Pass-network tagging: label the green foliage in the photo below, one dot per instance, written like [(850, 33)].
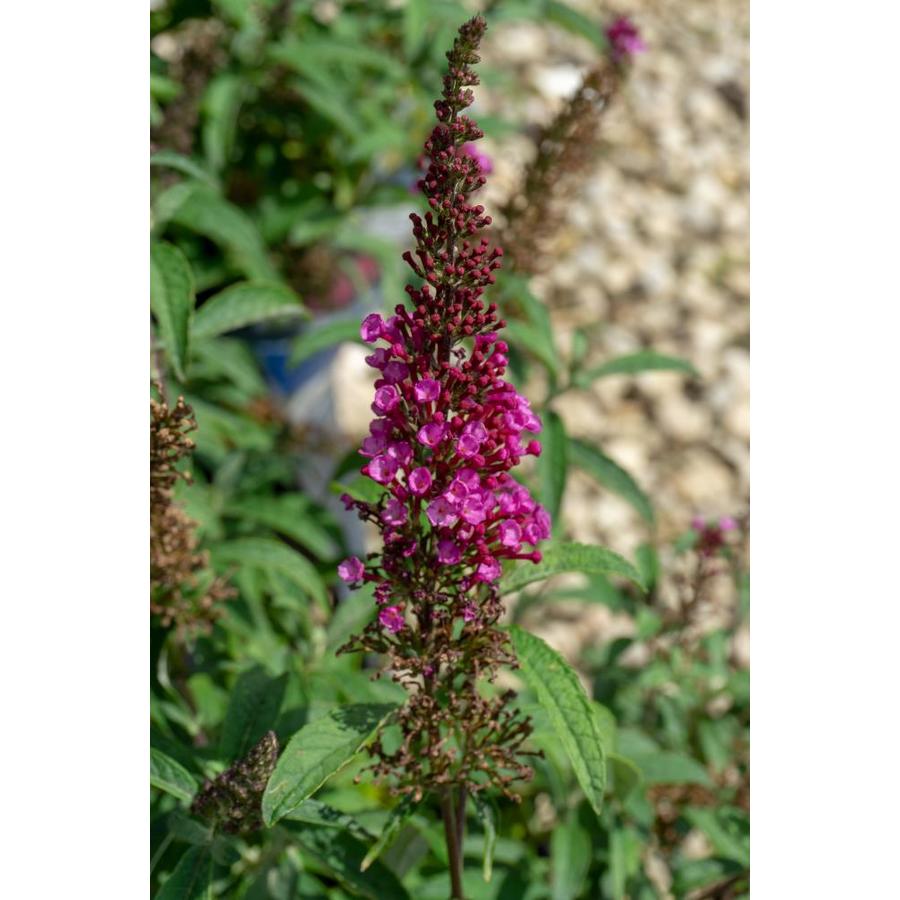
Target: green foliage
[(575, 720), (611, 475), (170, 776), (561, 556), (316, 752), (172, 301), (304, 133), (244, 304), (634, 364)]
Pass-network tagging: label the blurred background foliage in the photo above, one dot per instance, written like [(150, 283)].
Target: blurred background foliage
[(284, 146)]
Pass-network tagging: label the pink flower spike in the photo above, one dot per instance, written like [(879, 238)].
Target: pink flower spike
[(351, 570), (391, 618), (448, 553), (371, 328), (419, 481), (427, 390), (470, 612), (727, 523)]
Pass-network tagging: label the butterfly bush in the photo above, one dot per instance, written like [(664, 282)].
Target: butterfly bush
[(447, 430)]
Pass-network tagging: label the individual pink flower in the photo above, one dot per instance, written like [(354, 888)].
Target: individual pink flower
[(510, 534), (432, 434), (441, 513), (448, 552), (419, 481), (371, 328), (394, 512), (382, 469), (427, 390), (392, 619), (351, 570), (467, 446), (395, 372), (727, 523), (386, 398), (488, 570), (401, 451)]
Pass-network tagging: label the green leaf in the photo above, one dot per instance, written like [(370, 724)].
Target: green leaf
[(574, 718), (647, 563), (575, 22), (611, 475), (195, 206), (642, 361), (269, 553), (316, 752), (537, 342), (399, 814), (247, 303), (624, 859), (322, 337), (570, 853), (312, 812), (171, 776), (187, 166), (725, 844), (668, 767), (553, 464), (290, 515), (415, 21), (361, 488), (162, 88), (221, 104), (172, 301), (562, 556), (343, 856), (489, 824), (252, 711), (626, 776), (192, 878)]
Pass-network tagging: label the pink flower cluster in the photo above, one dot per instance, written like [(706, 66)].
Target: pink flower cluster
[(447, 427), (443, 440), (624, 39)]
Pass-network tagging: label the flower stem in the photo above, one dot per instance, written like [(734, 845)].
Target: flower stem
[(454, 845)]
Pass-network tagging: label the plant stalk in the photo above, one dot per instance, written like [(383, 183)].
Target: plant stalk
[(454, 845)]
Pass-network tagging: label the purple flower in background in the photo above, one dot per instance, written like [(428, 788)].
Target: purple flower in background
[(712, 533), (482, 160), (624, 39)]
